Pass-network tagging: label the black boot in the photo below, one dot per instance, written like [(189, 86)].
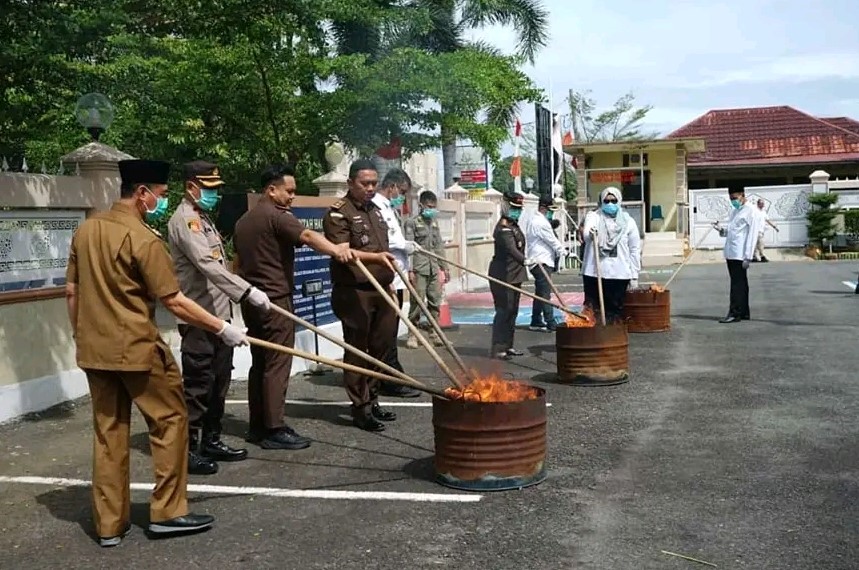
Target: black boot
[(197, 464), (397, 390), (363, 418), (216, 449), (381, 414)]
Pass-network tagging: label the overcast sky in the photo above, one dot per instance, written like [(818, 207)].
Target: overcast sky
[(687, 57)]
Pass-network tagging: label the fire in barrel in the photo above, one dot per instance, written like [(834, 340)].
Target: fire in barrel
[(590, 353), (491, 436), (647, 310)]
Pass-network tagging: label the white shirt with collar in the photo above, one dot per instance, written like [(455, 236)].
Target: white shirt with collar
[(396, 239), (541, 243), (744, 225)]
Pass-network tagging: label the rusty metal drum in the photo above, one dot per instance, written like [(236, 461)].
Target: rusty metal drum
[(490, 446), (593, 355), (647, 310)]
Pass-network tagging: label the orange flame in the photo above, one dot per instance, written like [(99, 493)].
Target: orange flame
[(573, 321), (493, 389), (657, 288)]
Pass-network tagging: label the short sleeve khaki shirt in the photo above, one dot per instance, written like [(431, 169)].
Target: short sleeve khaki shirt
[(120, 267)]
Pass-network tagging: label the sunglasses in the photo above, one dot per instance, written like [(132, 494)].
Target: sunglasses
[(610, 201)]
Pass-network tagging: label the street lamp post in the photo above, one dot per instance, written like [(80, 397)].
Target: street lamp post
[(529, 184), (94, 112)]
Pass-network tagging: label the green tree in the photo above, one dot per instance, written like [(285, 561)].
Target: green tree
[(821, 218), (620, 123)]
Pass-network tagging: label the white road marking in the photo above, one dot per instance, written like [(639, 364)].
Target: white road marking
[(347, 403), (850, 284), (269, 491)]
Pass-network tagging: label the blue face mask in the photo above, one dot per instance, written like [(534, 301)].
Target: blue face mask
[(549, 215), (610, 209), (209, 199), (514, 214), (736, 204), (429, 213), (398, 201), (160, 210)]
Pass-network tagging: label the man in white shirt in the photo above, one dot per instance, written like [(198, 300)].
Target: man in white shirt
[(542, 248), (741, 237), (390, 196), (765, 219)]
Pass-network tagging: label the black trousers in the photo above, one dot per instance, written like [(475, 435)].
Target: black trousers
[(506, 303), (739, 299), (393, 358), (207, 367), (542, 313), (614, 294)]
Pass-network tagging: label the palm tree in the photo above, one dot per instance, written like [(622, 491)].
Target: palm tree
[(442, 28)]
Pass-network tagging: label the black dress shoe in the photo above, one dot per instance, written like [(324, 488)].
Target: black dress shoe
[(398, 391), (368, 423), (216, 449), (181, 525), (199, 465), (514, 352), (730, 319), (109, 541), (382, 415), (746, 318), (502, 356), (284, 438)]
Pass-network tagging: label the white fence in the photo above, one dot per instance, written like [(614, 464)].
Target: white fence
[(785, 205)]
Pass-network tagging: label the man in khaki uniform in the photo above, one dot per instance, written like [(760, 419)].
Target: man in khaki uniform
[(118, 266), (207, 363), (426, 273)]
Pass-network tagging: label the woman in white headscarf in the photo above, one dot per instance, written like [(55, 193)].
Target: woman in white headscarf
[(619, 246)]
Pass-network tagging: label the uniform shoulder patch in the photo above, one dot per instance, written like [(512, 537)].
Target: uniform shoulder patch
[(336, 215), (194, 225), (338, 204)]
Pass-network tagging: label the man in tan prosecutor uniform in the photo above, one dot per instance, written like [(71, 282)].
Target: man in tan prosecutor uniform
[(118, 266), (207, 362)]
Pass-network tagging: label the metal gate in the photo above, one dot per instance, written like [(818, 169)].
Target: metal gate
[(785, 205)]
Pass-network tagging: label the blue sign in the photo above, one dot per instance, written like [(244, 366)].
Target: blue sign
[(312, 265)]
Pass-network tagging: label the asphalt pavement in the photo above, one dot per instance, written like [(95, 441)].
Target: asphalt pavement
[(737, 445)]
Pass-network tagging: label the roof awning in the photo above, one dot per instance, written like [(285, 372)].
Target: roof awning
[(689, 144)]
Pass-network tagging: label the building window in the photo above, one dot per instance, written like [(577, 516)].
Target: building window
[(634, 159)]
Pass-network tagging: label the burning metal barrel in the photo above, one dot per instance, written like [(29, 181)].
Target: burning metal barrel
[(647, 310), (589, 353), (491, 437)]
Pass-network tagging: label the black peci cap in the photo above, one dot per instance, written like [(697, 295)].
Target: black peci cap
[(144, 171)]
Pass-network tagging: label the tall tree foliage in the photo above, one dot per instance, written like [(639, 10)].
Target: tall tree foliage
[(623, 122)]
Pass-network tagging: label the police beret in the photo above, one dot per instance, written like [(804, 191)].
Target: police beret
[(204, 172), (514, 199), (144, 171)]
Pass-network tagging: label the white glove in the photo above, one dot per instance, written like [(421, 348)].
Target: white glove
[(633, 284), (233, 335), (530, 262), (411, 247), (259, 299), (746, 264)]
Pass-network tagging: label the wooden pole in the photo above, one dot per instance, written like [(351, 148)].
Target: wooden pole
[(599, 277), (688, 257), (499, 282), (415, 297), (405, 318), (344, 345), (555, 289), (344, 366)]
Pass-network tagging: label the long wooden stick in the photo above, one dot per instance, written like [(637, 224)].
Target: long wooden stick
[(343, 365), (599, 277), (414, 296), (499, 282), (555, 289), (405, 318), (688, 257), (344, 345)]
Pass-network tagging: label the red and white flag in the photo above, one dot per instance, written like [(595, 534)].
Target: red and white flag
[(516, 165)]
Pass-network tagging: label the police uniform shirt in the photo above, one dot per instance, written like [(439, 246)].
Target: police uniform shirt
[(199, 256), (427, 234), (120, 267), (265, 239), (360, 225), (508, 262)]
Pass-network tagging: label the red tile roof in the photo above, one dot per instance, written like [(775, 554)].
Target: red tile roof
[(770, 135)]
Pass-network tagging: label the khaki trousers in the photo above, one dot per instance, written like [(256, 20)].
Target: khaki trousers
[(159, 397), (759, 247), (429, 287)]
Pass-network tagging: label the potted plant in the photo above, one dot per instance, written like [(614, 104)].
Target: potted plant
[(821, 222)]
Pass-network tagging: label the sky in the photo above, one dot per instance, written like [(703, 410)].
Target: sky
[(686, 57)]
